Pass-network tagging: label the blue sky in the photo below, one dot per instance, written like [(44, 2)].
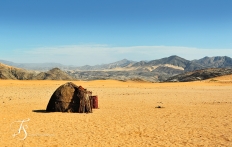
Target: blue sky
[(81, 32)]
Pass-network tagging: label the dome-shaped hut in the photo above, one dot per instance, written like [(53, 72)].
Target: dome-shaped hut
[(70, 98)]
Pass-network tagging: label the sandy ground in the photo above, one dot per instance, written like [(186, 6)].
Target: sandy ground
[(194, 114)]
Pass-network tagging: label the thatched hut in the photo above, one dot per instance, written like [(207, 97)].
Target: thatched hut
[(70, 98)]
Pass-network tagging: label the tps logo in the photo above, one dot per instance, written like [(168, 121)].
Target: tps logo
[(19, 127)]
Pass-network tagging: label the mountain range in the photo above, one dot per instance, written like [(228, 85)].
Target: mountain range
[(154, 71)]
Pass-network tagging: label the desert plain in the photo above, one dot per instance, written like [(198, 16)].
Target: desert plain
[(191, 114)]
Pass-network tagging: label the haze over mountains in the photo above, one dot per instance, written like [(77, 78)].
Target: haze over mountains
[(153, 71), (35, 66)]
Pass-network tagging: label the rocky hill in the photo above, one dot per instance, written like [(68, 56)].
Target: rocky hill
[(9, 72), (200, 75), (53, 74)]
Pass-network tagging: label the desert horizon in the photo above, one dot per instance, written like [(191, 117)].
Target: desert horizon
[(191, 114)]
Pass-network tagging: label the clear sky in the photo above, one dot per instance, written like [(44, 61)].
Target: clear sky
[(80, 32)]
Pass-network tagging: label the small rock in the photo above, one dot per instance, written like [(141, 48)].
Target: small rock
[(158, 107)]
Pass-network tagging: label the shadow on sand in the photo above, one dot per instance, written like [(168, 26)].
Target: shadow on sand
[(40, 111)]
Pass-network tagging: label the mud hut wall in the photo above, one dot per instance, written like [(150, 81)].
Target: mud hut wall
[(88, 107)]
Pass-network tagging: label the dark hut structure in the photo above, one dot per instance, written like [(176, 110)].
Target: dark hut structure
[(70, 98)]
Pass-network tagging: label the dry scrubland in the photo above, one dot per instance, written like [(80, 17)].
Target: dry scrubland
[(194, 114)]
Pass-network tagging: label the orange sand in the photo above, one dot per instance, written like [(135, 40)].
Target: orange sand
[(194, 114)]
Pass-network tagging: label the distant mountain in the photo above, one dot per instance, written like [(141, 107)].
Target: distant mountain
[(200, 75), (206, 62), (115, 65), (215, 62), (187, 65), (172, 60)]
